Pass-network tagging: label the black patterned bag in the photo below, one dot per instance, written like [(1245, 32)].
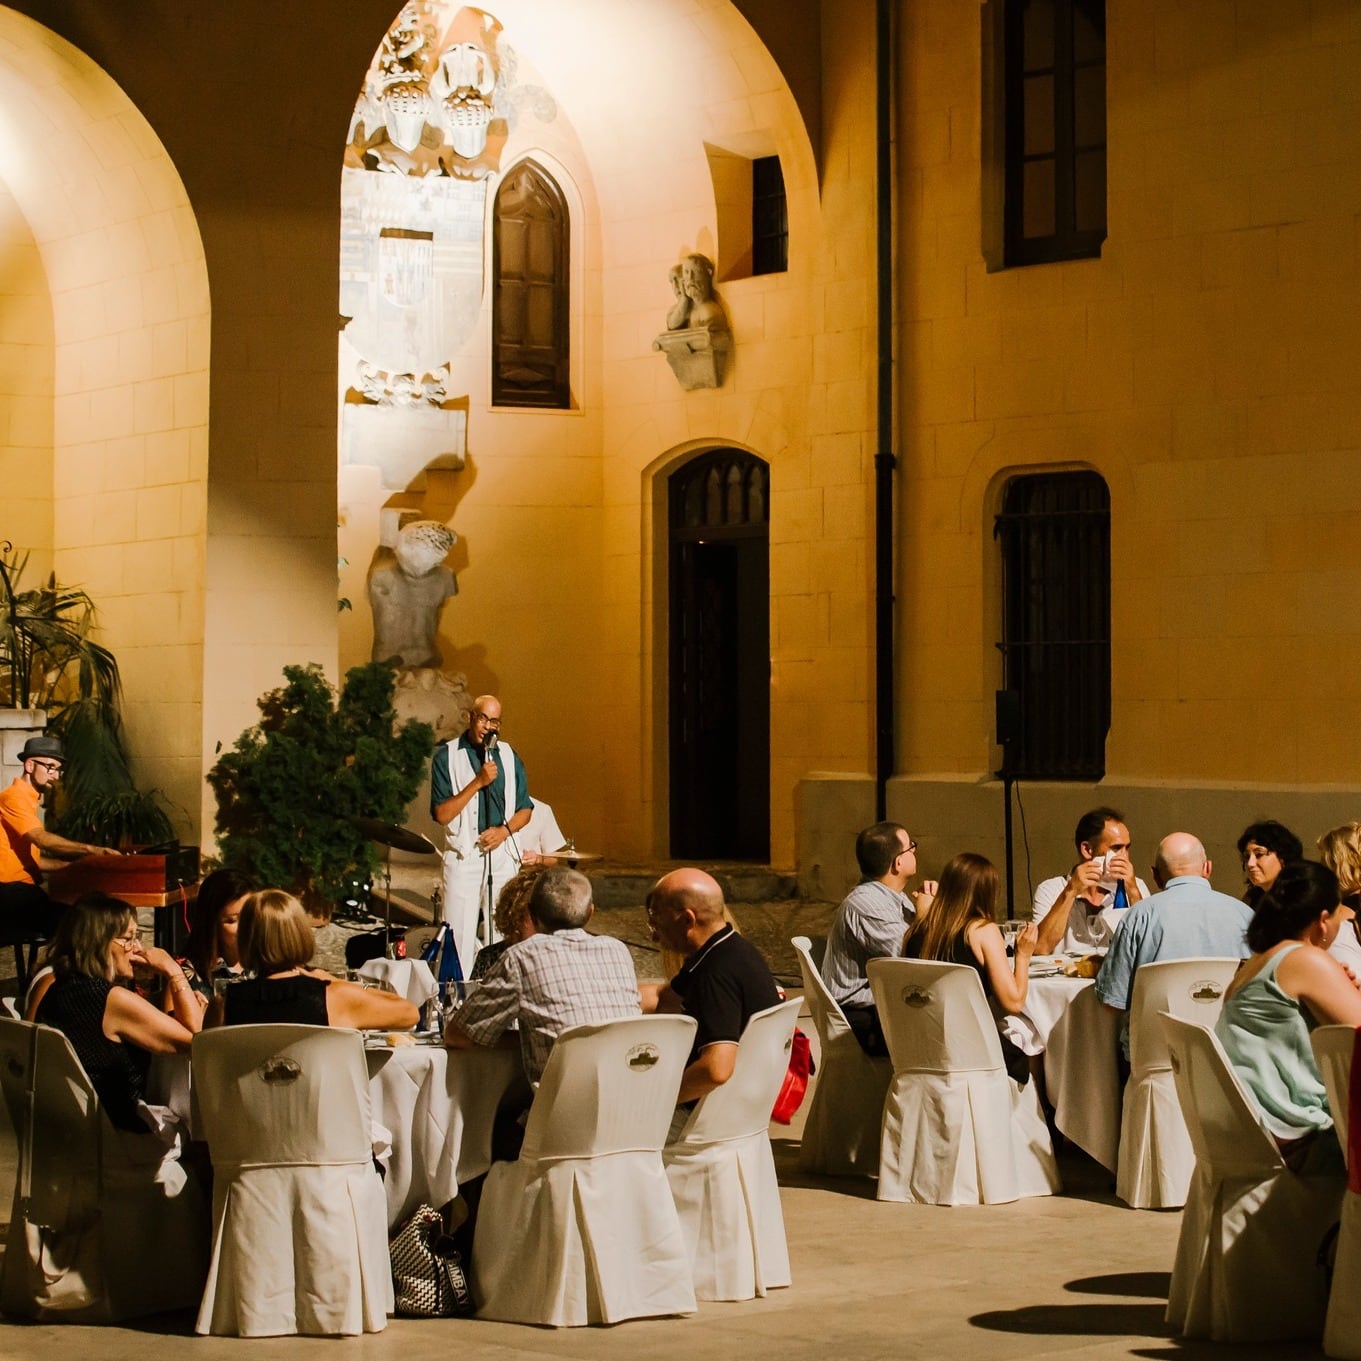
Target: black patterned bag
[(427, 1270)]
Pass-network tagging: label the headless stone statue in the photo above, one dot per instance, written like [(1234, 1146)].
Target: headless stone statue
[(408, 586)]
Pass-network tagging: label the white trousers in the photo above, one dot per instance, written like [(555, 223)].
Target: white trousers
[(466, 897)]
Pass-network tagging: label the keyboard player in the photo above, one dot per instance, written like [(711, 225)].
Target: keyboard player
[(27, 848)]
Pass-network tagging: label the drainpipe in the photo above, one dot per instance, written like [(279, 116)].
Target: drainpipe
[(884, 460)]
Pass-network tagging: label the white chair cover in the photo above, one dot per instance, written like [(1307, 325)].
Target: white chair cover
[(846, 1108), (957, 1129), (1156, 1159), (722, 1172), (299, 1217), (1333, 1045), (93, 1205), (582, 1228), (1246, 1266)]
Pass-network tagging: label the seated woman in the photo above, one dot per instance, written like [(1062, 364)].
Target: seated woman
[(91, 1001), (1288, 985), (958, 927), (213, 921), (1265, 849), (276, 943), (1341, 852), (512, 919)]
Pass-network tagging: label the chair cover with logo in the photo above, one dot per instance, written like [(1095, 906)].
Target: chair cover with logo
[(1247, 1258), (722, 1171), (957, 1129), (299, 1217), (1156, 1159), (582, 1227), (105, 1224), (841, 1129), (1339, 1060)]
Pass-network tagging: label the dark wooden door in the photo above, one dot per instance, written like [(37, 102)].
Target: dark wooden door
[(720, 658)]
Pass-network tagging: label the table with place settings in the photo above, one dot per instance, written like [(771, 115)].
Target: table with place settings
[(438, 1108), (1079, 1038)]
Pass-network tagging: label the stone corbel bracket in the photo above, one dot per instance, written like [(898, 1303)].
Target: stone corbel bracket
[(698, 356)]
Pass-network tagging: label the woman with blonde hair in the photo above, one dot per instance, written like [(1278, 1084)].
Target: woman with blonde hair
[(1341, 852), (276, 943), (958, 926), (511, 917)]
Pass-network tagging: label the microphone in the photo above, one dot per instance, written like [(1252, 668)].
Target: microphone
[(489, 747)]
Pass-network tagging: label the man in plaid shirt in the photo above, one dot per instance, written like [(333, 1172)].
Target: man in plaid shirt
[(557, 978)]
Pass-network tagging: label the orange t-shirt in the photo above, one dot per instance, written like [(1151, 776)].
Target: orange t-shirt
[(18, 817)]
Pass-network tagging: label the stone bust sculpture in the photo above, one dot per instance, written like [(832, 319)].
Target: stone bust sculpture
[(697, 283), (408, 586)]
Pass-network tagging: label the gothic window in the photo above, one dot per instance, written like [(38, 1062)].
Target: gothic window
[(530, 313)]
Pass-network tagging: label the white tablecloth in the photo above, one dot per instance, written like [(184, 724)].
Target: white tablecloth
[(439, 1108), (1078, 1036), (409, 978)]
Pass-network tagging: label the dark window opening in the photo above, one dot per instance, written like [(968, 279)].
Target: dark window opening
[(1055, 114), (531, 323), (1055, 535), (769, 217)]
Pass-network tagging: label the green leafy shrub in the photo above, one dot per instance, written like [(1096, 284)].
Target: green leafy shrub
[(289, 791)]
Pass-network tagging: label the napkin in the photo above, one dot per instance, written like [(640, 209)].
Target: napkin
[(409, 978)]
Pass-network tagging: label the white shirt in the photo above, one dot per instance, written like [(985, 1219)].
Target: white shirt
[(1346, 949), (1090, 925)]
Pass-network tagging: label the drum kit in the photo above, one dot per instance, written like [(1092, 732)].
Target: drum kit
[(395, 838)]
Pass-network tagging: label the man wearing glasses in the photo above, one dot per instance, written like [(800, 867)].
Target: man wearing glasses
[(479, 793), (23, 839), (870, 924)]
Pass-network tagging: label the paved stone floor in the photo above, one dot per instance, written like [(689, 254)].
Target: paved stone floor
[(1074, 1276)]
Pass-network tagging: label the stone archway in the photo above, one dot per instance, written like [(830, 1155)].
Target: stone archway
[(115, 451)]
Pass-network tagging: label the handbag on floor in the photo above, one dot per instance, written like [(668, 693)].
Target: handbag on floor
[(427, 1270)]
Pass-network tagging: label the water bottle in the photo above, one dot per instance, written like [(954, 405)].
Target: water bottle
[(431, 951), (450, 970)]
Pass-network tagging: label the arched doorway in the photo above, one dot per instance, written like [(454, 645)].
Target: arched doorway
[(719, 559)]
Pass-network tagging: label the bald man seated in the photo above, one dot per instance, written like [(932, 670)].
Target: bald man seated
[(722, 984), (1187, 919)]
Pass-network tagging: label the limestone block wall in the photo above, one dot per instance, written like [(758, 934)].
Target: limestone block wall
[(26, 362), (1205, 365), (124, 383)]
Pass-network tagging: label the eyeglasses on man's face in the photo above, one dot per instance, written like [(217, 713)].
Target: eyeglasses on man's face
[(52, 767)]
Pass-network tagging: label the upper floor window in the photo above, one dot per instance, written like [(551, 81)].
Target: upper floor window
[(531, 322), (769, 217), (1055, 113), (1055, 534)]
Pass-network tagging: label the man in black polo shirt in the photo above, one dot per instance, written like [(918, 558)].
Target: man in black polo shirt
[(722, 984)]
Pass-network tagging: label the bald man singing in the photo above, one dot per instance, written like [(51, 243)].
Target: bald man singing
[(722, 984), (1187, 919), (479, 794)]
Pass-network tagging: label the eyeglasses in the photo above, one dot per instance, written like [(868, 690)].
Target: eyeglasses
[(52, 767), (910, 848), (128, 942)]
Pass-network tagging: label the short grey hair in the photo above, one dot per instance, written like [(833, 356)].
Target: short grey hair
[(561, 900)]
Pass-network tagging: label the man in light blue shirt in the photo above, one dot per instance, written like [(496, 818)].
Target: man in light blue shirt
[(1186, 920)]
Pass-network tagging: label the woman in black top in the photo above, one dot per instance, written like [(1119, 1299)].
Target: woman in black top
[(114, 1031), (277, 942)]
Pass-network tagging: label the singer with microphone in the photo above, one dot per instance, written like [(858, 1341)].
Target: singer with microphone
[(479, 794)]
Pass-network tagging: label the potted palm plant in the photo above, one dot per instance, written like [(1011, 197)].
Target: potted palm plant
[(51, 664)]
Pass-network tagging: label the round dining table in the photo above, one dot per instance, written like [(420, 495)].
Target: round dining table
[(1079, 1038)]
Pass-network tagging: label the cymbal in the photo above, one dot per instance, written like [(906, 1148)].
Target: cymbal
[(389, 834), (571, 853)]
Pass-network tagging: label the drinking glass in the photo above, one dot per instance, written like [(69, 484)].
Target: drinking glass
[(1010, 930)]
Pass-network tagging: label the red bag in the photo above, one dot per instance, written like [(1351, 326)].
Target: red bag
[(795, 1086)]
